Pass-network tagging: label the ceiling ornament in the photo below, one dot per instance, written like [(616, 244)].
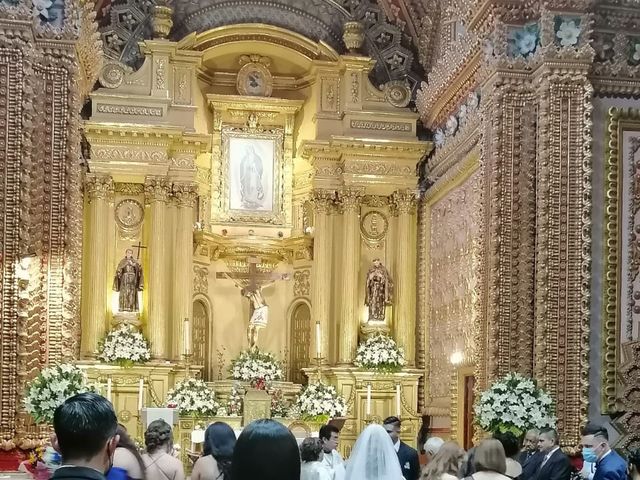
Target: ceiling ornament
[(124, 23)]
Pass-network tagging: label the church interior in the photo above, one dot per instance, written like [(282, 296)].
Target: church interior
[(299, 177)]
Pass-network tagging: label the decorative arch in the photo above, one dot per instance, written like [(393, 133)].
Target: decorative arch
[(202, 334), (299, 324)]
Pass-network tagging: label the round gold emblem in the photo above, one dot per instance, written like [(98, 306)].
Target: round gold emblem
[(254, 79)]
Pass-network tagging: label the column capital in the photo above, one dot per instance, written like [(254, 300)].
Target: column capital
[(323, 200), (98, 186), (185, 194), (350, 198), (156, 189), (403, 202)]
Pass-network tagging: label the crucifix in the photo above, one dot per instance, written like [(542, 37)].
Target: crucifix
[(251, 284), (139, 246)]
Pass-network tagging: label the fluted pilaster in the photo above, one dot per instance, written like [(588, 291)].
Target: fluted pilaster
[(184, 196), (321, 284), (156, 191), (349, 321), (404, 325), (99, 191)]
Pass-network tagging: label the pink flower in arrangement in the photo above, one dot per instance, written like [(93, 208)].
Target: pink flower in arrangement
[(259, 384), (172, 405)]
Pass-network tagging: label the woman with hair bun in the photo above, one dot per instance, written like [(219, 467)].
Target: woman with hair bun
[(159, 462)]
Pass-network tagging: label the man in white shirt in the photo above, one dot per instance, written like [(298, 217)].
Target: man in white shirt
[(331, 459)]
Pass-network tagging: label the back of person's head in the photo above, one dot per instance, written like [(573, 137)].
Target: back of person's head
[(448, 460), (158, 435), (310, 449), (634, 462), (326, 431), (509, 442), (596, 430), (219, 442), (489, 456), (85, 427), (432, 445), (266, 450)]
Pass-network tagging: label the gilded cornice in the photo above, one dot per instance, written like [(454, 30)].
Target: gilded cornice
[(233, 247)]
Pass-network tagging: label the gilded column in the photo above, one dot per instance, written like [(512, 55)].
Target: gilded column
[(156, 191), (321, 284), (404, 325), (99, 189), (349, 319), (184, 195)]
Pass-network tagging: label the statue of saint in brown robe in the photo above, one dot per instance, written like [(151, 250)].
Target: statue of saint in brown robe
[(378, 291), (128, 281)]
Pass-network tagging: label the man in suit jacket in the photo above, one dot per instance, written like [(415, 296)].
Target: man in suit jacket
[(596, 449), (85, 435), (407, 456), (555, 465), (530, 457)]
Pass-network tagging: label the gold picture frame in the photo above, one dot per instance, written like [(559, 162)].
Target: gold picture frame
[(619, 122), (252, 174)]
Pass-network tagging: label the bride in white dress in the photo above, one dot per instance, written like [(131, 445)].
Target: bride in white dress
[(373, 457)]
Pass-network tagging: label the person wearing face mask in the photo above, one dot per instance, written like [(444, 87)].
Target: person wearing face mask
[(159, 462), (596, 449), (85, 436)]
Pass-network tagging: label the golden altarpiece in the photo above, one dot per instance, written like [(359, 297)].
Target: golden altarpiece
[(250, 152)]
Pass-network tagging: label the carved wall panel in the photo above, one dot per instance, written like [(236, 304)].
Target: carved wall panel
[(40, 210), (454, 252), (202, 354), (563, 256), (622, 246), (509, 140)]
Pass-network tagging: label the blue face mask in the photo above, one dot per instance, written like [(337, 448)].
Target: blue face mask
[(589, 455)]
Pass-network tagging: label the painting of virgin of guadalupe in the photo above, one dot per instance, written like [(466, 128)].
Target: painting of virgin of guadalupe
[(251, 172)]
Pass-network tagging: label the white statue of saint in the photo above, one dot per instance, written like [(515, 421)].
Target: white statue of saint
[(251, 172)]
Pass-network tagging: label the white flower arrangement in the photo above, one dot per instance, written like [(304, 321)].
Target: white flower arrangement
[(124, 346), (380, 353), (514, 404), (319, 402), (51, 388), (193, 397), (258, 368), (279, 405), (235, 402)]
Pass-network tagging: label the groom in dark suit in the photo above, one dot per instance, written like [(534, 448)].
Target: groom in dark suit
[(596, 449), (407, 456), (555, 465)]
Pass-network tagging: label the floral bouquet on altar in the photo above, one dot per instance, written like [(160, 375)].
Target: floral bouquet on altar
[(193, 397), (514, 404), (124, 346), (256, 367), (234, 404), (279, 405), (319, 403), (52, 387), (380, 353)]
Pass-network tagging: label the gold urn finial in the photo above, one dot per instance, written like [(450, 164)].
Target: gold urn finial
[(162, 19), (353, 36)]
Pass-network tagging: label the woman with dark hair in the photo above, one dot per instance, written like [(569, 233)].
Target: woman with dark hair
[(633, 469), (127, 462), (511, 450), (266, 450), (159, 462), (215, 463)]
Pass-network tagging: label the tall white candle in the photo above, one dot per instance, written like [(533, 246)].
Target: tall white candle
[(368, 399), (140, 391), (398, 400), (109, 388), (187, 336), (318, 341)]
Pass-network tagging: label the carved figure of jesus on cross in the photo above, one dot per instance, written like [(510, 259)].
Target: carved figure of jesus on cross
[(251, 284)]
